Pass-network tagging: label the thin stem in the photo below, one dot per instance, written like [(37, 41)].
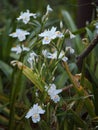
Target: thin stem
[(74, 82), (85, 53), (67, 87)]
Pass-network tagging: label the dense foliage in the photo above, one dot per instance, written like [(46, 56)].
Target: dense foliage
[(48, 70)]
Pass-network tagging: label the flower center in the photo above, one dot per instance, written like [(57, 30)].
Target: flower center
[(35, 116), (46, 38), (58, 32)]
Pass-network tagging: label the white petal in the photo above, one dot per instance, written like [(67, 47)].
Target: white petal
[(46, 40), (29, 114), (59, 34), (55, 98), (13, 34), (70, 49), (40, 110), (35, 118), (49, 9), (64, 58)]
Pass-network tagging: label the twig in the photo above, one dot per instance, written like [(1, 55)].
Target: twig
[(85, 53), (67, 87)]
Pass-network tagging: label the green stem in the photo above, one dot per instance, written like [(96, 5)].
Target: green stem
[(14, 92)]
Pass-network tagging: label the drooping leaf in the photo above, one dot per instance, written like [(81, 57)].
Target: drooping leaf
[(32, 76)]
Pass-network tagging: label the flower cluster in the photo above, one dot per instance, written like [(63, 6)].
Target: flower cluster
[(32, 58), (54, 53), (35, 112)]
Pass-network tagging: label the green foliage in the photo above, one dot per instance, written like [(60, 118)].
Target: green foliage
[(20, 84)]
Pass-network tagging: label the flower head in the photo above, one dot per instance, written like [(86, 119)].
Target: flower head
[(21, 34), (49, 55), (45, 17), (53, 93), (52, 55), (32, 58), (59, 34), (70, 34), (34, 113), (55, 55), (49, 35), (49, 9), (19, 49), (26, 16), (61, 56), (70, 49)]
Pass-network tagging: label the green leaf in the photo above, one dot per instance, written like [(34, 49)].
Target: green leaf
[(7, 70), (1, 85), (65, 125), (32, 76), (3, 120), (90, 34), (81, 92), (94, 82), (77, 120), (72, 27), (44, 125), (68, 20)]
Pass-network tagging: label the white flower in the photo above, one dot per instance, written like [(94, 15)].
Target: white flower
[(45, 52), (33, 55), (61, 56), (31, 59), (45, 17), (55, 55), (59, 34), (49, 35), (19, 49), (70, 33), (61, 24), (46, 40), (64, 58), (49, 9), (53, 93), (52, 55), (70, 49), (34, 113), (49, 55), (21, 34), (26, 16)]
